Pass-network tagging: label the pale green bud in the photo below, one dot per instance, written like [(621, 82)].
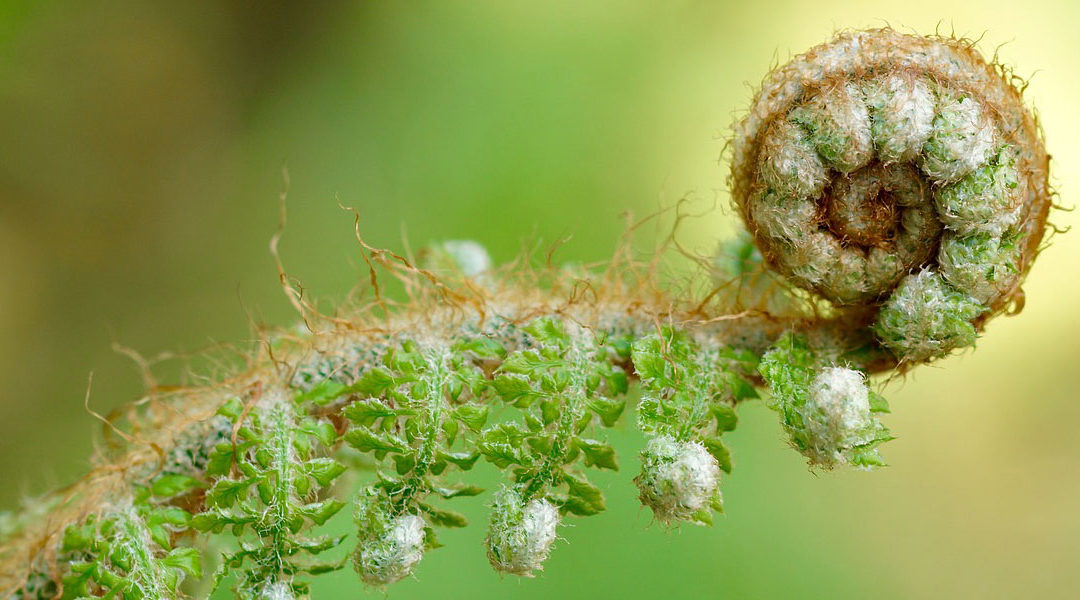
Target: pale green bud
[(678, 479), (468, 257), (389, 547), (521, 534), (837, 414), (278, 590)]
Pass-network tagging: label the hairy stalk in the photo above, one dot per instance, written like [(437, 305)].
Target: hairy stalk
[(895, 193)]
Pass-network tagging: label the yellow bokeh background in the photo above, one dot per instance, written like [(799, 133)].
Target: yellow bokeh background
[(141, 147)]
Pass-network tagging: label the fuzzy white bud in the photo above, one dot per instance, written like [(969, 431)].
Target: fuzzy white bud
[(678, 479), (468, 257), (837, 413), (521, 536), (391, 555), (843, 398), (278, 590)]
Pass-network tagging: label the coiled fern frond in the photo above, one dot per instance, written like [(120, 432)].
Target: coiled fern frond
[(895, 192)]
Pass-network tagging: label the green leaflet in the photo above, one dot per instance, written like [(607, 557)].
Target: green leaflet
[(270, 490), (564, 382), (423, 399), (690, 393), (127, 551), (688, 400), (826, 411)]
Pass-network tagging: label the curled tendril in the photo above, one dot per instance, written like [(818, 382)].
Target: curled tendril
[(900, 173)]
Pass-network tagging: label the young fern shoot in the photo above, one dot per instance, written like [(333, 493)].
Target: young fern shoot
[(895, 191)]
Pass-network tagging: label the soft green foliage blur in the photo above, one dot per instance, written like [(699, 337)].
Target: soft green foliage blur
[(141, 154)]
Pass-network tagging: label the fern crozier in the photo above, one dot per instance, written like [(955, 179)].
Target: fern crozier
[(895, 193)]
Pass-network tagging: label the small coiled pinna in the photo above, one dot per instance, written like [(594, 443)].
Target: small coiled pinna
[(897, 172)]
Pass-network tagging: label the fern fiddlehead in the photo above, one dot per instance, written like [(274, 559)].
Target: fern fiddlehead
[(896, 182), (900, 171)]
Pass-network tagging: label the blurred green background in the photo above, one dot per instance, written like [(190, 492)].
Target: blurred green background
[(141, 146)]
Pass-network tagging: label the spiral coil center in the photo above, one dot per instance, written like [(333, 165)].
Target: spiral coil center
[(872, 208), (855, 184)]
